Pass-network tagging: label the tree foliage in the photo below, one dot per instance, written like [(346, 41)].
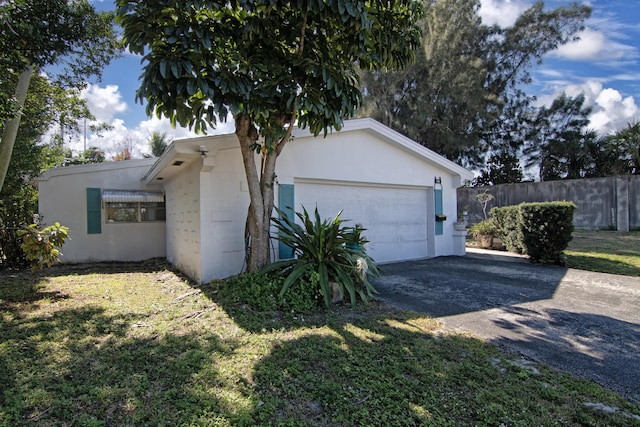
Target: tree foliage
[(158, 142), (502, 168), (455, 99), (271, 64), (45, 103), (557, 143), (623, 150), (42, 246), (39, 34), (67, 33), (562, 146)]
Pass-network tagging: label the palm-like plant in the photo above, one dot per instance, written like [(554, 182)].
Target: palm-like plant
[(328, 248)]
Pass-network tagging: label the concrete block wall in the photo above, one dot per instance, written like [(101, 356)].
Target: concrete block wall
[(602, 203)]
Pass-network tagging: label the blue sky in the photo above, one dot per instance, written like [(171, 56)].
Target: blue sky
[(604, 65)]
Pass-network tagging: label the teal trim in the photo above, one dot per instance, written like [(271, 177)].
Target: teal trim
[(439, 210), (286, 206), (94, 211)]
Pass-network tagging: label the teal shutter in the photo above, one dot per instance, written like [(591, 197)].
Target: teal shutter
[(94, 211), (286, 205), (438, 203)]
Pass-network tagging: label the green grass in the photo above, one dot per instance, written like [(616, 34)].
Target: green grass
[(135, 344), (605, 251)]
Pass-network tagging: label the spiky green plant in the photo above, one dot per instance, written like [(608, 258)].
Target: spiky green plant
[(334, 251)]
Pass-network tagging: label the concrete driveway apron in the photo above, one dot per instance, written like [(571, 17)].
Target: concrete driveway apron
[(580, 322)]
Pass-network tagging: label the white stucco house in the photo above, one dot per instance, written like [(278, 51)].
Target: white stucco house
[(190, 204)]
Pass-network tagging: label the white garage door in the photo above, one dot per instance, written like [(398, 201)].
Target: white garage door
[(395, 217)]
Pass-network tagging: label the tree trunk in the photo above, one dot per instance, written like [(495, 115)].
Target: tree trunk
[(261, 196), (11, 126), (261, 187)]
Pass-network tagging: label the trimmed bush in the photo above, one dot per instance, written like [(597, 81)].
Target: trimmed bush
[(540, 230), (546, 229), (508, 224)]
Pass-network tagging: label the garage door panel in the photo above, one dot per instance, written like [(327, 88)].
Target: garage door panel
[(395, 218), (388, 252)]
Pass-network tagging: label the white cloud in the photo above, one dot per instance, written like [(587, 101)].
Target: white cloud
[(611, 111), (104, 102), (594, 45), (502, 12)]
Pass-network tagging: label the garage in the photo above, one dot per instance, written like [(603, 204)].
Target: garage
[(395, 216)]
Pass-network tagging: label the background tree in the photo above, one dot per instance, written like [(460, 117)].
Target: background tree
[(502, 168), (36, 34), (624, 150), (125, 150), (559, 138), (158, 143), (93, 155), (456, 98), (88, 156), (18, 197), (271, 64)]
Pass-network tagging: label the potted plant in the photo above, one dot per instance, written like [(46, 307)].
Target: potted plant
[(484, 232), (461, 224)]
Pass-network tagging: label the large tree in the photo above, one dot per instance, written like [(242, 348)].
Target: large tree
[(559, 139), (36, 34), (623, 148), (44, 105), (271, 64), (468, 81)]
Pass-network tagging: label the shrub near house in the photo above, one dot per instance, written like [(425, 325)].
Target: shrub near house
[(329, 251), (540, 230)]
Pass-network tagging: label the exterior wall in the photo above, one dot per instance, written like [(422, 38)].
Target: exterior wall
[(602, 203), (355, 157), (225, 201), (634, 202), (207, 196), (183, 222), (63, 199)]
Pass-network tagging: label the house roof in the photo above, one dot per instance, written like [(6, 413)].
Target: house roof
[(185, 151), (95, 167)]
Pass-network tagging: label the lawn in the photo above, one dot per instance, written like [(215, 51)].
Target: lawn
[(605, 251), (136, 344)]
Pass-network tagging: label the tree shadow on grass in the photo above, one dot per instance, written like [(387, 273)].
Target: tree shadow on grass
[(86, 367), (399, 370), (338, 367)]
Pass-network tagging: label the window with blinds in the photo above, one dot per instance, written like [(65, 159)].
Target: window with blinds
[(133, 206)]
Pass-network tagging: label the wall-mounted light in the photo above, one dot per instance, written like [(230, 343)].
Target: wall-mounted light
[(437, 180), (203, 151)]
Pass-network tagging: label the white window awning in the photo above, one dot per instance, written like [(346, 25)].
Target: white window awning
[(123, 196)]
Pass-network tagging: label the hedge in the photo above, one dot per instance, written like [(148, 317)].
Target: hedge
[(540, 230), (507, 221)]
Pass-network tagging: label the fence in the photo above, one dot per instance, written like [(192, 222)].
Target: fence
[(602, 203)]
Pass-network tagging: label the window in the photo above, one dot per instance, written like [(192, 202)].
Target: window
[(133, 206)]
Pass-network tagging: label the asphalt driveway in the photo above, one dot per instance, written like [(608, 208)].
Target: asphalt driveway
[(576, 321)]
